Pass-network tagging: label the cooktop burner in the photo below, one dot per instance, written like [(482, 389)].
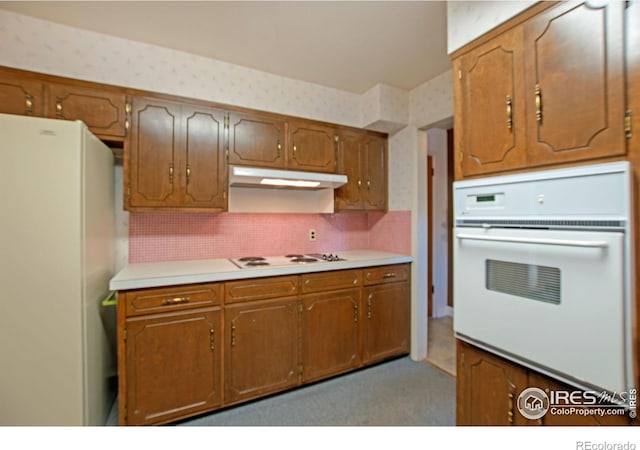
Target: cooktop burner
[(256, 262), (303, 259)]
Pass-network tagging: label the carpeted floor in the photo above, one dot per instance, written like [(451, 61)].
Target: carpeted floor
[(400, 392)]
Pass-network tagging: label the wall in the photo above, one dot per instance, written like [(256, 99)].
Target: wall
[(471, 19)]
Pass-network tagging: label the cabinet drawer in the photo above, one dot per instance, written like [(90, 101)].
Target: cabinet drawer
[(329, 281), (261, 289), (386, 274), (147, 301)]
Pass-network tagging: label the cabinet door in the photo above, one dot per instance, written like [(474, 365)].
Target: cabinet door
[(20, 95), (173, 365), (490, 109), (102, 110), (575, 85), (258, 141), (205, 171), (376, 169), (350, 163), (386, 328), (261, 354), (330, 341), (312, 147), (152, 162), (487, 388)]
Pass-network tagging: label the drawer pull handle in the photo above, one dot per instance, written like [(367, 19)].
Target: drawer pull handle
[(212, 338), (59, 108), (355, 312), (176, 300), (389, 275), (509, 113)]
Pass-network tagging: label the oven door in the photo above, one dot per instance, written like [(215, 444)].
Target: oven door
[(551, 300)]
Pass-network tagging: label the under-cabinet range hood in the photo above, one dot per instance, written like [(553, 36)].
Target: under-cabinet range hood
[(256, 177), (259, 190)]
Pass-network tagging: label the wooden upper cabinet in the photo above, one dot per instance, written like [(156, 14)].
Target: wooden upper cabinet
[(175, 156), (102, 109), (350, 163), (152, 171), (311, 147), (574, 83), (256, 140), (362, 157), (490, 108), (205, 170), (20, 95), (375, 148)]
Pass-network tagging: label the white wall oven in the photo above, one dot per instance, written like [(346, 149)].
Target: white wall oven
[(543, 271)]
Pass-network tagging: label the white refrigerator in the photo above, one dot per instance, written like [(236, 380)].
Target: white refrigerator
[(56, 240)]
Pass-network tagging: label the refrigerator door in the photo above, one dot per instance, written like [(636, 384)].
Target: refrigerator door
[(50, 273)]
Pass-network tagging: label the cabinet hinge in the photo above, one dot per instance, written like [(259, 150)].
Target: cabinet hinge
[(337, 138), (124, 334), (433, 289), (129, 192), (300, 307), (459, 74), (226, 122), (126, 413), (433, 172), (226, 154), (627, 124), (300, 368)]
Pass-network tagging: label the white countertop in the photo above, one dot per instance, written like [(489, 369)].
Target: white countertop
[(146, 275)]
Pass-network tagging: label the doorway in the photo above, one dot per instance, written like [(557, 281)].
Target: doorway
[(440, 174)]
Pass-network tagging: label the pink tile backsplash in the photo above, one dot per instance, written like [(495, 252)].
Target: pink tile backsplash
[(175, 236)]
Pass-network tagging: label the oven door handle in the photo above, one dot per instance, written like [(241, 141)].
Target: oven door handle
[(562, 242)]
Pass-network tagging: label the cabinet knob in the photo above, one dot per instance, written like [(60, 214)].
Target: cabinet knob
[(29, 103)]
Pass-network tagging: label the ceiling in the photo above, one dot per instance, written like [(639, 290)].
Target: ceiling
[(341, 44)]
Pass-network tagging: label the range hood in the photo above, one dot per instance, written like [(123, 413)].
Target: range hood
[(256, 177)]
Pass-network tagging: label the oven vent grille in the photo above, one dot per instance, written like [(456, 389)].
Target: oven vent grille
[(524, 280), (526, 223)]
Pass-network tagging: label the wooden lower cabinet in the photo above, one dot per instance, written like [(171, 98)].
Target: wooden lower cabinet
[(186, 350), (330, 341), (261, 352), (488, 387), (386, 312), (173, 363)]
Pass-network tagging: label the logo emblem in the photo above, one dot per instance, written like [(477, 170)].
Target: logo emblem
[(533, 403)]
